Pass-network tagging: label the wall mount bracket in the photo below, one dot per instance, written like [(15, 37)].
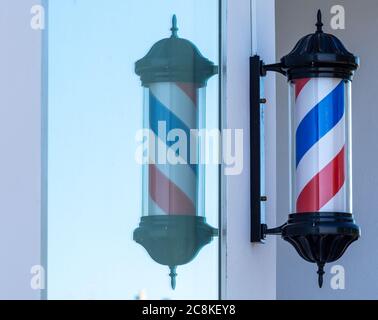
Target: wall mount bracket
[(258, 69)]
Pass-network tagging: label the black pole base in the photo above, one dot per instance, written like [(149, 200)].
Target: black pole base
[(173, 240), (320, 237)]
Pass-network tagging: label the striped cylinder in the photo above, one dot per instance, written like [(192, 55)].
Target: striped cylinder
[(172, 187), (320, 150)]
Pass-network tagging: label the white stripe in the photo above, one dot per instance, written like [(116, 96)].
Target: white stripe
[(182, 175), (312, 93), (320, 155), (177, 101), (337, 203), (154, 209)]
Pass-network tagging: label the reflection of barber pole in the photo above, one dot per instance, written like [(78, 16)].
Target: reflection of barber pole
[(173, 227), (320, 132), (172, 187)]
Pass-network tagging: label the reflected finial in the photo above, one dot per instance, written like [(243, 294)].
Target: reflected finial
[(173, 275), (174, 28), (319, 23)]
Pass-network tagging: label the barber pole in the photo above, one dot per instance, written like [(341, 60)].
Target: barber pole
[(319, 71)]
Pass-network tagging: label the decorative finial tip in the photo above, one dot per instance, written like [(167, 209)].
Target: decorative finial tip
[(173, 275), (174, 28), (320, 274), (319, 23), (320, 281)]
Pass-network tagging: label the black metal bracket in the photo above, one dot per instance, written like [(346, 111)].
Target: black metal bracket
[(258, 70), (255, 148), (274, 231), (276, 67)]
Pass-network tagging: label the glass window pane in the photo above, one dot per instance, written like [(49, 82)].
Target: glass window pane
[(97, 192)]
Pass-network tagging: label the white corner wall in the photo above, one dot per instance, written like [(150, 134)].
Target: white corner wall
[(250, 269)]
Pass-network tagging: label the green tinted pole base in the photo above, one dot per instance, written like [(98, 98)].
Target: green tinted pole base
[(173, 240)]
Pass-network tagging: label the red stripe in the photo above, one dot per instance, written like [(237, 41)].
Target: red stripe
[(299, 84), (167, 195), (190, 90), (324, 186)]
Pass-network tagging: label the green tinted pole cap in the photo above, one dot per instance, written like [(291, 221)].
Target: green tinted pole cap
[(175, 59)]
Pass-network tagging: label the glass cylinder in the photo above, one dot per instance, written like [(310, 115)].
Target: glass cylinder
[(173, 181), (320, 128)]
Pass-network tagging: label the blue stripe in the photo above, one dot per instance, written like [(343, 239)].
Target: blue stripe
[(159, 112), (319, 121)]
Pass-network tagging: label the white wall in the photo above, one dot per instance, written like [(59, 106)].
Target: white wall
[(250, 268)]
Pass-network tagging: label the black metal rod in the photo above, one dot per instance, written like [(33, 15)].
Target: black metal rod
[(255, 149), (273, 231), (275, 67)]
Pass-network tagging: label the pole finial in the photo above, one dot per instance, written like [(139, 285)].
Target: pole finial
[(320, 274), (173, 275), (319, 23), (174, 28)]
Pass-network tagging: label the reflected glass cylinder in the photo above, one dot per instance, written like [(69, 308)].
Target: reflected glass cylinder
[(173, 181)]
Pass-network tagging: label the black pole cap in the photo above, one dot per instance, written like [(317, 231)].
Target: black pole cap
[(175, 60), (320, 54)]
